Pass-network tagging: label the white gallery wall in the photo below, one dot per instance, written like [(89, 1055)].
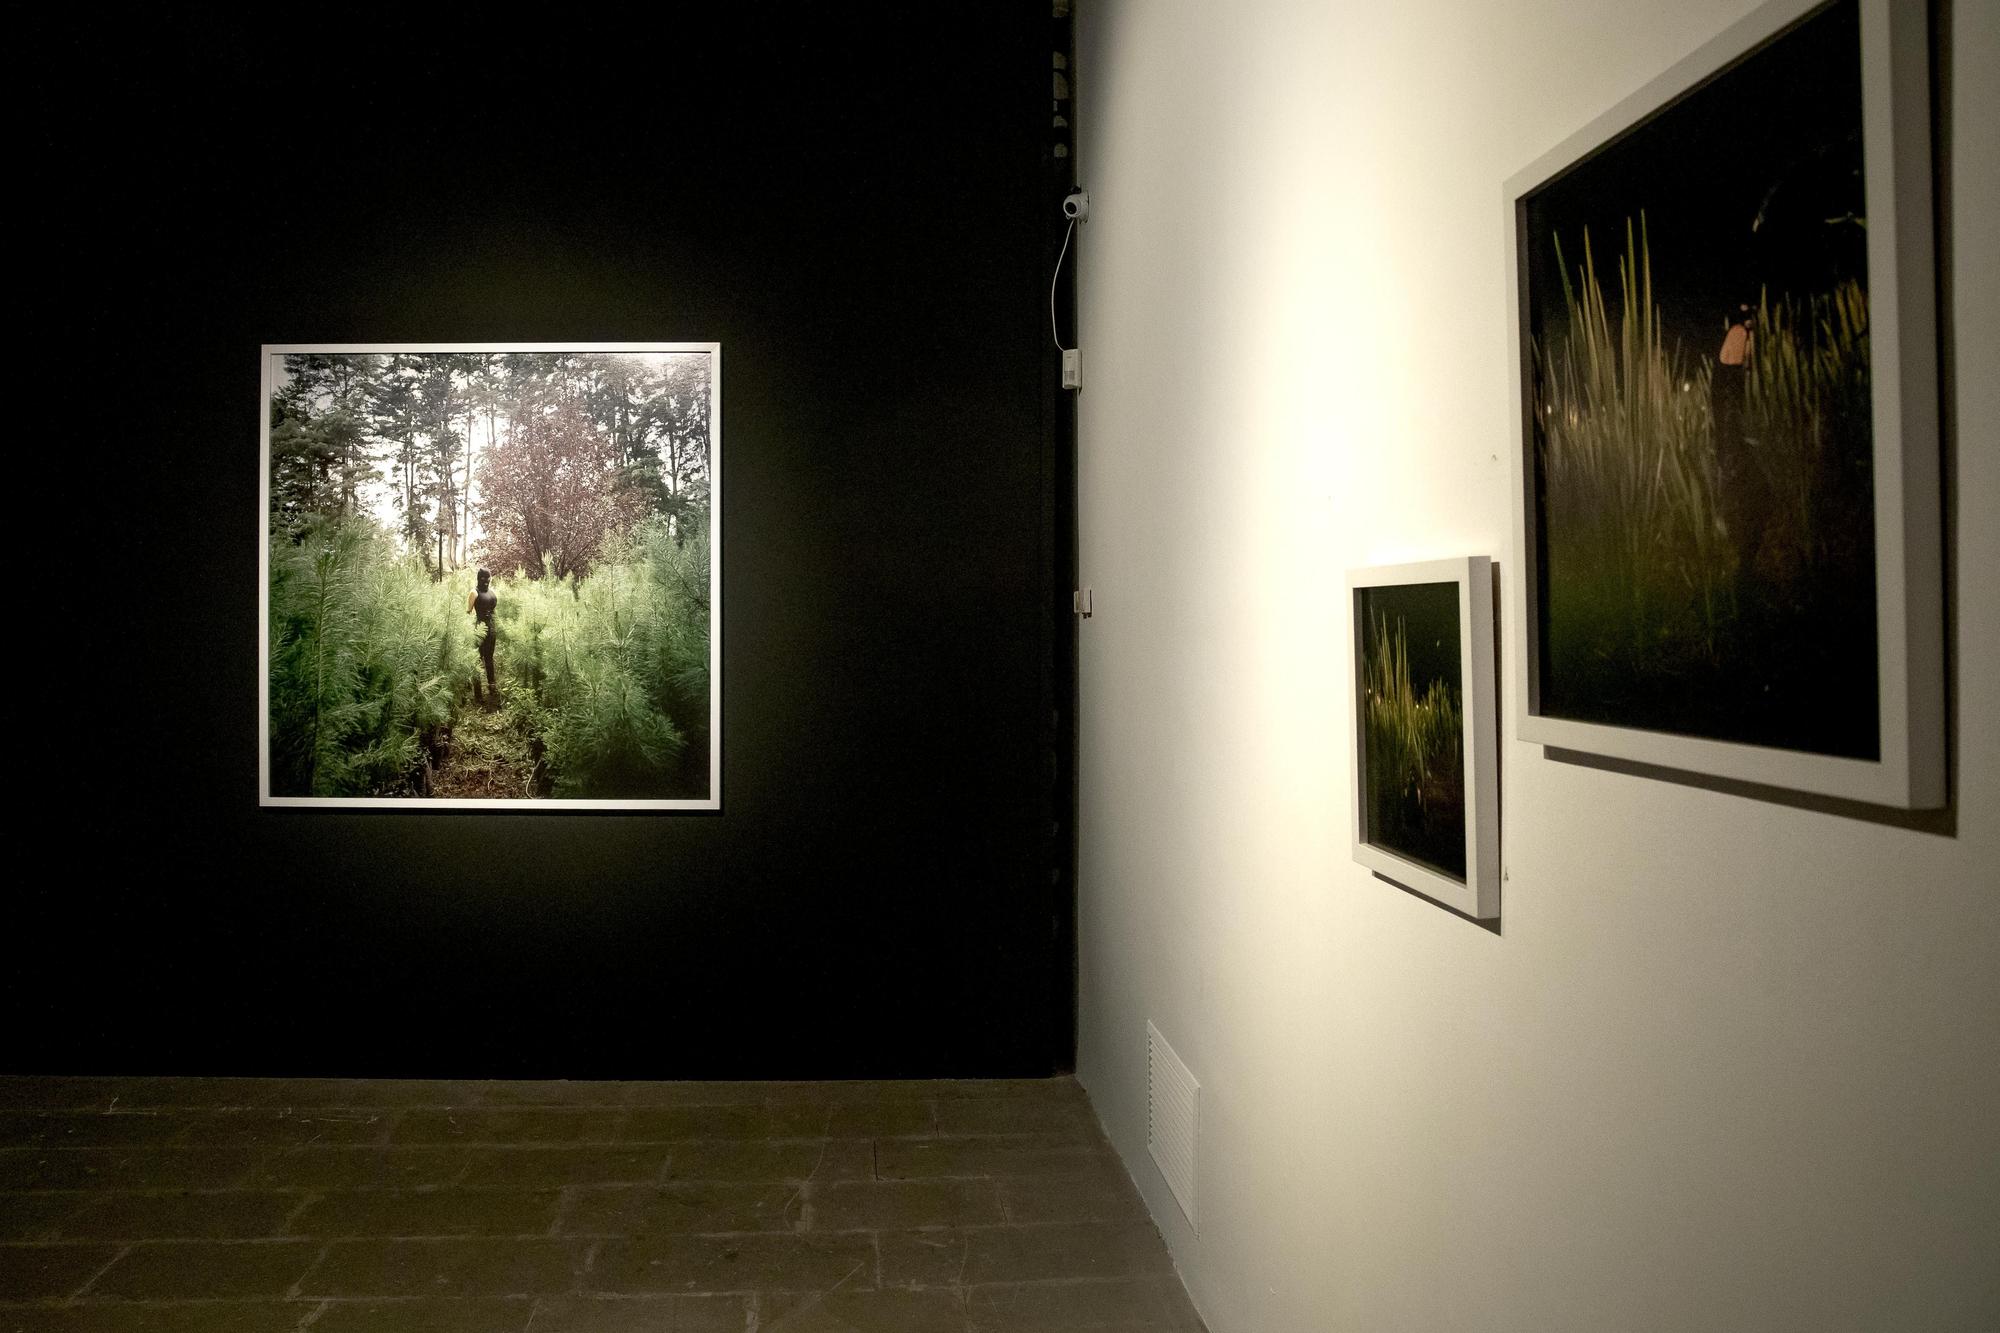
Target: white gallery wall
[(1727, 1063)]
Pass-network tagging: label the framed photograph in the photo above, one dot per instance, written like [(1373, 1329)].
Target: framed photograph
[(1727, 488), (1426, 768), (491, 576)]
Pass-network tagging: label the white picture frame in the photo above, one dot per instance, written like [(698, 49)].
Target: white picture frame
[(1901, 293), (1476, 893), (270, 357)]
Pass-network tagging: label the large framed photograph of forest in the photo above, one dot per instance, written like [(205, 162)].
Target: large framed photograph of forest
[(491, 576), (1426, 805), (1727, 480)]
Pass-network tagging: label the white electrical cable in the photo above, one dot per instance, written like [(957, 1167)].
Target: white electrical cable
[(1054, 278)]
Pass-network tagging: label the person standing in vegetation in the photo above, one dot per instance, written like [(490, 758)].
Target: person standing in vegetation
[(1741, 481), (479, 604)]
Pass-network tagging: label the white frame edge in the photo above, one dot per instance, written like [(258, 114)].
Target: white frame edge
[(1909, 586), (1479, 894), (420, 804)]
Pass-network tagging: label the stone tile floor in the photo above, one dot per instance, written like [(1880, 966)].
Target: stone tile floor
[(353, 1206)]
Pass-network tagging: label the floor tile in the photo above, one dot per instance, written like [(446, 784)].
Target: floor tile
[(1065, 1250), (850, 1120), (804, 1159), (95, 1129), (425, 1316), (101, 1316), (262, 1127), (1092, 1305), (191, 1092), (908, 1259), (1106, 1196), (555, 1167), (642, 1314), (550, 1092), (1015, 1115), (897, 1205), (183, 1270), (684, 1207), (187, 1168), (519, 1125), (58, 1092), (865, 1312), (357, 1167), (364, 1093), (458, 1267), (59, 1168), (182, 1215), (669, 1124), (1050, 1089), (183, 1167), (441, 1212), (733, 1263), (692, 1093), (37, 1216), (49, 1272), (1000, 1155)]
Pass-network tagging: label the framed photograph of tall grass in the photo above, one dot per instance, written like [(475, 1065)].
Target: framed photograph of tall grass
[(1727, 485), (491, 576), (1426, 768)]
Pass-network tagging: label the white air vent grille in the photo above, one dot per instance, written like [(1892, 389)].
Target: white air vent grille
[(1173, 1115)]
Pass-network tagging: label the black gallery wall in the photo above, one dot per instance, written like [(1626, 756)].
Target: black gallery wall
[(858, 203)]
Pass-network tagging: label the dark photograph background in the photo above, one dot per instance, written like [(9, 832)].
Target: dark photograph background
[(1704, 499), (861, 206), (1413, 724)]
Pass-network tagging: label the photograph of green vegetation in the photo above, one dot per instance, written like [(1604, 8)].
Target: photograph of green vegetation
[(490, 575), (1702, 485), (1413, 724)]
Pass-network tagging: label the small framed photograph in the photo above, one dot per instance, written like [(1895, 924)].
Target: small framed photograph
[(1426, 765), (1727, 477), (491, 576)]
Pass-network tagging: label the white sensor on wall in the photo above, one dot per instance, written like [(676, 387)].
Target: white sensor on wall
[(1075, 207), (1173, 1117)]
